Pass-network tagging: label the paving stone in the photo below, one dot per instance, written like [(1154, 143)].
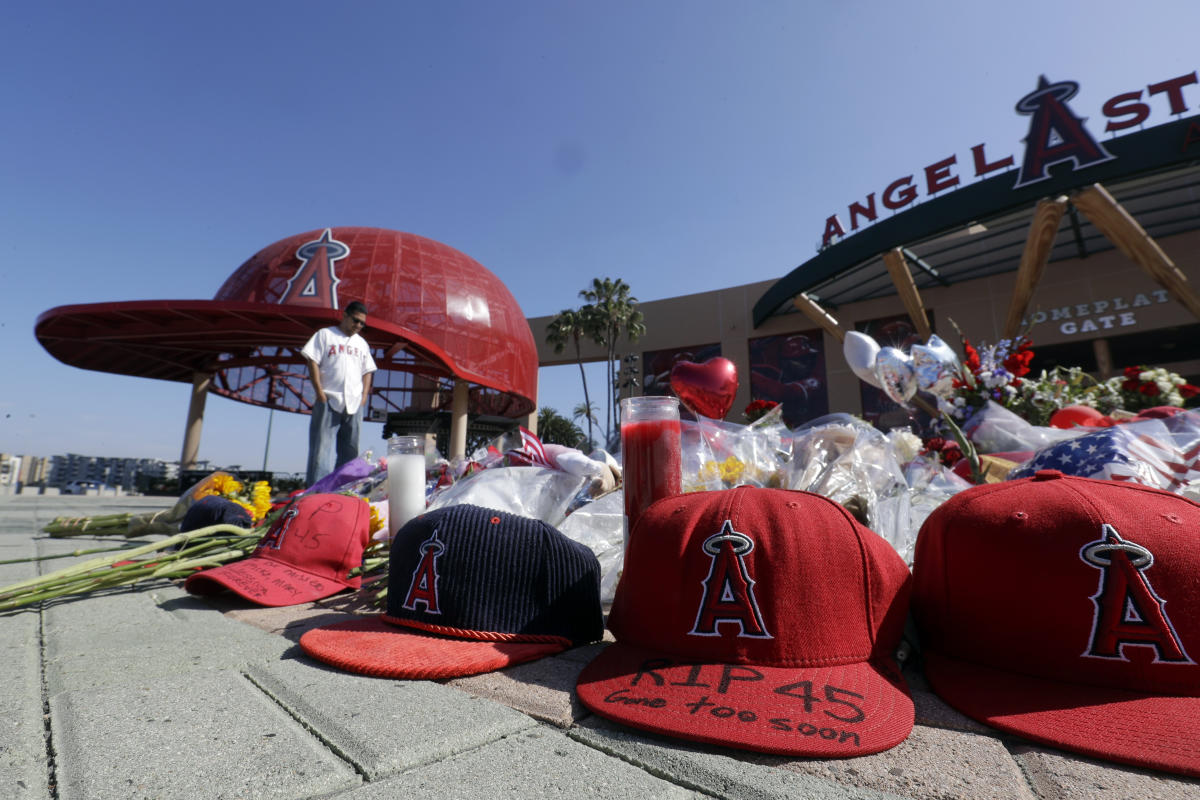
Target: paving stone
[(213, 736), (143, 644), (23, 763), (930, 763), (23, 767), (13, 573), (933, 711), (543, 689), (20, 653), (1065, 776), (291, 622), (716, 771), (384, 726), (533, 764), (585, 653)]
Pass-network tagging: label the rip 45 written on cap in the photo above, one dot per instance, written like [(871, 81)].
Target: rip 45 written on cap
[(762, 619), (471, 590), (1067, 610), (305, 555)]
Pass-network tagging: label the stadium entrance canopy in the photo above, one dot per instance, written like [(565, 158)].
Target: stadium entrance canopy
[(1069, 194), (446, 334)]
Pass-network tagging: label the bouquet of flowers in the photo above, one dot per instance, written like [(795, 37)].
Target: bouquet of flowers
[(990, 372), (1140, 388), (757, 409)]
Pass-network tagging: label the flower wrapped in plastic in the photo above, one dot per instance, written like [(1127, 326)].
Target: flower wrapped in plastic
[(854, 463), (722, 455)]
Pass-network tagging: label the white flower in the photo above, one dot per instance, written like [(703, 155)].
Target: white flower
[(907, 444)]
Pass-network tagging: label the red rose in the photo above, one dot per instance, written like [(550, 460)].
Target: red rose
[(1187, 390), (951, 455)]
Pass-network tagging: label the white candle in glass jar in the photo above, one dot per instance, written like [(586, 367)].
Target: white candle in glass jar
[(406, 481)]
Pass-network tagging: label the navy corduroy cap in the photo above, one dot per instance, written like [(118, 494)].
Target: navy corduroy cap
[(471, 590)]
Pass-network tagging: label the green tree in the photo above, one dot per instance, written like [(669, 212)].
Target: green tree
[(554, 428), (571, 325), (586, 410), (610, 311)]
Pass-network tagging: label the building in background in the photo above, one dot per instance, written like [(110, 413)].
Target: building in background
[(1088, 242)]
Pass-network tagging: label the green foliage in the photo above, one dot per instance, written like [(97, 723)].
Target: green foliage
[(610, 312), (553, 428), (571, 325)]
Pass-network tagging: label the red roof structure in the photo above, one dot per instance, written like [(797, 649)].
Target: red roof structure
[(434, 315)]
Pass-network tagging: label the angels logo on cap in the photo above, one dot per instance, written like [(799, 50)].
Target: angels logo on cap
[(1066, 610), (470, 590), (762, 619), (306, 554)]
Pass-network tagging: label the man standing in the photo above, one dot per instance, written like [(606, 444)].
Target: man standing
[(340, 368)]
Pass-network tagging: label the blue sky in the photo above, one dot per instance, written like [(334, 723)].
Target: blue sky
[(148, 149)]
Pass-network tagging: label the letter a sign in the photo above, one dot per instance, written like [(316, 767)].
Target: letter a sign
[(729, 590), (1128, 611)]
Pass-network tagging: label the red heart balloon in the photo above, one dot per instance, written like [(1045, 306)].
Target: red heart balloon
[(707, 389)]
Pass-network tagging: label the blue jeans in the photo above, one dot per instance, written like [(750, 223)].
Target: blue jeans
[(325, 425)]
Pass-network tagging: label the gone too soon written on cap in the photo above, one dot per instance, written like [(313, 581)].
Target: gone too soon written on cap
[(762, 619)]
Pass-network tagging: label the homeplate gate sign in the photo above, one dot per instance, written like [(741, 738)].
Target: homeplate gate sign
[(1056, 135)]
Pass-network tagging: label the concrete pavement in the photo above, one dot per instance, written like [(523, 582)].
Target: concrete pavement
[(152, 693)]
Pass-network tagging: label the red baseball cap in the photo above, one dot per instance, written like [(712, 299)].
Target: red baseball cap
[(763, 619), (1067, 610), (305, 555)]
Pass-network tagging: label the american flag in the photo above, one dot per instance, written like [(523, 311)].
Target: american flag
[(1163, 453), (531, 449)]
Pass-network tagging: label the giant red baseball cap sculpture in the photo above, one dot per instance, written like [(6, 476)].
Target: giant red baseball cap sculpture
[(432, 311)]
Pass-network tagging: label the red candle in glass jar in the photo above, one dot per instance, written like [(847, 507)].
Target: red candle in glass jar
[(650, 451)]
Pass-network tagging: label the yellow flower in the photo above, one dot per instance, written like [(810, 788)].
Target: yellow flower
[(226, 485), (249, 508), (260, 497), (376, 520), (731, 470)]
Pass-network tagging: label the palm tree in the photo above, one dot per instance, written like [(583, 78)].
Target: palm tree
[(586, 410), (611, 310), (570, 325), (553, 428)]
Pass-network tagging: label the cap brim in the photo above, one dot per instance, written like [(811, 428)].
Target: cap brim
[(1146, 730), (827, 712), (266, 582), (370, 646)]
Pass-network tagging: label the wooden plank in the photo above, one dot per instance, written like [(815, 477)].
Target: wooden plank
[(902, 279), (1038, 244), (1120, 228), (820, 316)]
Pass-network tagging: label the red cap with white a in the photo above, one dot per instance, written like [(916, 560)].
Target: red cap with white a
[(1067, 610), (762, 619)]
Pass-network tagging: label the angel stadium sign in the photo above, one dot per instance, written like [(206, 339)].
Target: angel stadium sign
[(1130, 134), (1057, 135)]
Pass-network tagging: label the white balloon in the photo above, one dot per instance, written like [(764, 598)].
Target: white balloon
[(937, 367), (897, 377), (860, 351)]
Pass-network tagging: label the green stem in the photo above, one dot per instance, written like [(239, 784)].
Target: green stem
[(967, 447), (72, 554), (132, 553)]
